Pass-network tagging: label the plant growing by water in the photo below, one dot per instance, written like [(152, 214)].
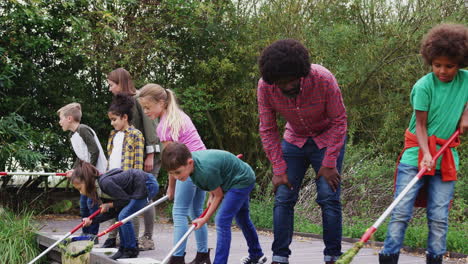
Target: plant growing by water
[(17, 238)]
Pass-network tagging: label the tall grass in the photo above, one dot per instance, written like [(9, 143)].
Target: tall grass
[(17, 238)]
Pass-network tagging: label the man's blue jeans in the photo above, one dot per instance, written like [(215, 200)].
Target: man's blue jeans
[(439, 194), (235, 204), (188, 202), (126, 231), (298, 161), (87, 208)]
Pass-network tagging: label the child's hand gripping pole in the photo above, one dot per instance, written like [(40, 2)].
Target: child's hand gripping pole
[(184, 237), (125, 220), (65, 236), (349, 255), (5, 173)]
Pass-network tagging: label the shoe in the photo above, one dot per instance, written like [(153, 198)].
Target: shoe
[(109, 243), (118, 255), (433, 260), (202, 258), (275, 262), (177, 260), (330, 262), (126, 253), (248, 260), (145, 243), (389, 259)]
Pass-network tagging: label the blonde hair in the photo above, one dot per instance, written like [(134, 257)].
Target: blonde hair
[(123, 79), (157, 93), (73, 110)]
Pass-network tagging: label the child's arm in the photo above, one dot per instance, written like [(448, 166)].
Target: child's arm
[(171, 187), (172, 181), (421, 134), (464, 121), (139, 151), (88, 138), (216, 198)]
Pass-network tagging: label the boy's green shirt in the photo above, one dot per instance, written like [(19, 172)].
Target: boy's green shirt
[(445, 103), (214, 168)]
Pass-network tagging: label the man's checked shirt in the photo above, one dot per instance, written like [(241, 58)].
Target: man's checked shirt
[(317, 112)]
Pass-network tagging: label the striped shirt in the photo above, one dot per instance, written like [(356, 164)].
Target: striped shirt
[(317, 112), (132, 148)]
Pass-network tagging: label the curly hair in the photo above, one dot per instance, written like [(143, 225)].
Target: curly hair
[(449, 40), (122, 105), (286, 58)]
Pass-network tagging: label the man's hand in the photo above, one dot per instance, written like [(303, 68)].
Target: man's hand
[(87, 221), (281, 179), (199, 222), (149, 162), (427, 162), (331, 175)]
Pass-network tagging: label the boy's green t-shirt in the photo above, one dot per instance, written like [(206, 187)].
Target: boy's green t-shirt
[(445, 103), (214, 168)]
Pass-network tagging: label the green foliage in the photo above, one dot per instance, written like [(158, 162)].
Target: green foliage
[(56, 52), (62, 206), (18, 144), (17, 238)]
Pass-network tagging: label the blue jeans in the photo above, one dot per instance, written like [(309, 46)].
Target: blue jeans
[(439, 194), (298, 161), (235, 204), (188, 202), (87, 208), (126, 231)]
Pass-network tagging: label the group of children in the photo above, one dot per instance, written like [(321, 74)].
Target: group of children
[(120, 187), (126, 181)]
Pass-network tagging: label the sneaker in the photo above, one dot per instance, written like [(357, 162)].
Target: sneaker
[(247, 260), (109, 243), (145, 243)]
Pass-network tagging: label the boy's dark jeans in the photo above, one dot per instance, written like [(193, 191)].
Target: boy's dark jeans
[(298, 161)]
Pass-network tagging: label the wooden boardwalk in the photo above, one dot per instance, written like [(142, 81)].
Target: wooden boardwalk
[(304, 250)]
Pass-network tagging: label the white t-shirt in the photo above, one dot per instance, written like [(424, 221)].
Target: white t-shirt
[(115, 159)]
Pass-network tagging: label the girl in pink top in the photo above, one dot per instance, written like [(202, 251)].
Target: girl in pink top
[(176, 126)]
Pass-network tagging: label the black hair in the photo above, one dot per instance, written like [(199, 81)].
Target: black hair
[(174, 156), (449, 40), (286, 58), (122, 105)]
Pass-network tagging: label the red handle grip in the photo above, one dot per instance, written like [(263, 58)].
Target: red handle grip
[(112, 227), (98, 211), (203, 214)]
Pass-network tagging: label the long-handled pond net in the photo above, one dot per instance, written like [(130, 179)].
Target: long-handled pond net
[(348, 256), (79, 226)]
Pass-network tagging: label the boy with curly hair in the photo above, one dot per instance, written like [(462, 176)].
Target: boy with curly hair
[(309, 98), (439, 101)]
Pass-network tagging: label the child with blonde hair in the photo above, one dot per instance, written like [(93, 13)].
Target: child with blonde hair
[(87, 148), (176, 126)]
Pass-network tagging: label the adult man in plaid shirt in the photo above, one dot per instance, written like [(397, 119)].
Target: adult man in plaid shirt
[(309, 99)]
